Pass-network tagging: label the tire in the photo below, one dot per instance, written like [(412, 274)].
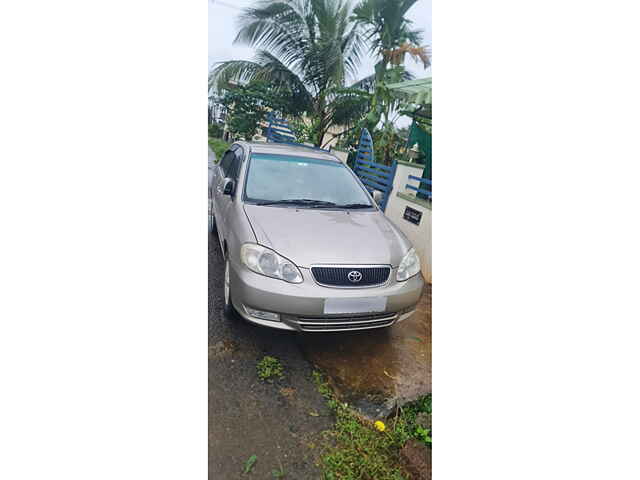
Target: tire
[(212, 218), (229, 309)]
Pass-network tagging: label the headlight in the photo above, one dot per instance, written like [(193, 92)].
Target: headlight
[(267, 262), (409, 266)]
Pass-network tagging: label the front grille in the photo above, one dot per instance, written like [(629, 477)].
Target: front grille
[(335, 324), (339, 276)]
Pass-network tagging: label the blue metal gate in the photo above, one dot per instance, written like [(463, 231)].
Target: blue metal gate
[(375, 176), (278, 130)]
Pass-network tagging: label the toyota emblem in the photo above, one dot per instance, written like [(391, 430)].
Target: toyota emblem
[(354, 276)]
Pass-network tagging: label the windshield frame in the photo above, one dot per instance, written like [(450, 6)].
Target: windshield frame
[(250, 201)]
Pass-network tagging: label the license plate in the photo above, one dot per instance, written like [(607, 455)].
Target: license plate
[(355, 305)]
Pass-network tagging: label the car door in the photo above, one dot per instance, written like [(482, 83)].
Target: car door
[(216, 188), (229, 169)]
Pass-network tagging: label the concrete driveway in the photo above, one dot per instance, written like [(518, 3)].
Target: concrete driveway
[(281, 422)]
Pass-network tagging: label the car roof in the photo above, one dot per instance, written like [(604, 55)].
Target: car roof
[(289, 149)]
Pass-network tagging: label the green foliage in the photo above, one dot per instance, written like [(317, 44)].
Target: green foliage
[(219, 147), (245, 111), (388, 144), (422, 434), (405, 424), (391, 37), (248, 106), (250, 463), (305, 132), (278, 473), (322, 385), (215, 130), (269, 368), (358, 451), (403, 133)]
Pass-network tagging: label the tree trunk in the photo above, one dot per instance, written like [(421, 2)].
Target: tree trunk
[(321, 130)]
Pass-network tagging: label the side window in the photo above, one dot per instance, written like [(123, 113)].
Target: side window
[(234, 169), (225, 163)]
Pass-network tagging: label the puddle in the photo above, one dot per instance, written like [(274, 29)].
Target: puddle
[(379, 369)]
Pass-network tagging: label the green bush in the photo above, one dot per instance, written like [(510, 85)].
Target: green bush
[(215, 130), (218, 146)]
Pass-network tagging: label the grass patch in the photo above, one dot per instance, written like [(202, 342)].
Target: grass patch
[(360, 451), (218, 146), (269, 368)]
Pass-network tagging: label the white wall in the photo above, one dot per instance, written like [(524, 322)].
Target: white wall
[(419, 235), (401, 178)]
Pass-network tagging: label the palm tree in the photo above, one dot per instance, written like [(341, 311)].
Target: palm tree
[(309, 47), (392, 37), (390, 32)]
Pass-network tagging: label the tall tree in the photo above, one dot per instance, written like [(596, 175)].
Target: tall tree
[(392, 37), (390, 32), (307, 46)]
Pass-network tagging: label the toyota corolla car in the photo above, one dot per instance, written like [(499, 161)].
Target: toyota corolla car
[(305, 246)]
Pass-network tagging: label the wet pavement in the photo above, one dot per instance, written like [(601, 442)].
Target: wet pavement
[(381, 369), (281, 422)]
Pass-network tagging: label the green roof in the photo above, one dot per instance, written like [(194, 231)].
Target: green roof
[(415, 91)]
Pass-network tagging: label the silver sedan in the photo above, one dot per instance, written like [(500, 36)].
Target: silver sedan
[(306, 247)]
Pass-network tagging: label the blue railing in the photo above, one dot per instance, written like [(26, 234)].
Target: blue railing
[(279, 131), (420, 192), (374, 176)]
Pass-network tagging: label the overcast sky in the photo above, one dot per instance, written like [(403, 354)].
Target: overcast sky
[(223, 29)]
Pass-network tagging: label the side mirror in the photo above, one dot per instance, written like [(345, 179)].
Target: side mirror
[(229, 187), (378, 196)]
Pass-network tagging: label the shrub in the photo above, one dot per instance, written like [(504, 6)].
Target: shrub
[(215, 130), (219, 147)]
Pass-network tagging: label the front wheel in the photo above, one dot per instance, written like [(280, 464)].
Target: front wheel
[(229, 309), (212, 218)]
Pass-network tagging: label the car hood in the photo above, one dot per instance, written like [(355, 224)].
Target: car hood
[(308, 236)]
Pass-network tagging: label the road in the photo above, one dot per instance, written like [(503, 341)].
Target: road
[(280, 423)]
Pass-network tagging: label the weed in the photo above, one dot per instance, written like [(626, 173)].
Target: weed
[(278, 473), (422, 434), (250, 463), (407, 424), (360, 451), (269, 368)]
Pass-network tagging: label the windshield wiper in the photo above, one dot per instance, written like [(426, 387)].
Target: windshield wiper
[(354, 205), (299, 201)]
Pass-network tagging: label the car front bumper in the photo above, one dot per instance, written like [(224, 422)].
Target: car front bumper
[(301, 307)]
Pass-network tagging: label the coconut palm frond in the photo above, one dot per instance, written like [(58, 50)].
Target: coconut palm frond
[(274, 26), (282, 77), (226, 73), (349, 108), (396, 56), (265, 67), (368, 83)]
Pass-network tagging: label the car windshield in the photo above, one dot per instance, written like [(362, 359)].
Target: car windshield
[(282, 179)]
